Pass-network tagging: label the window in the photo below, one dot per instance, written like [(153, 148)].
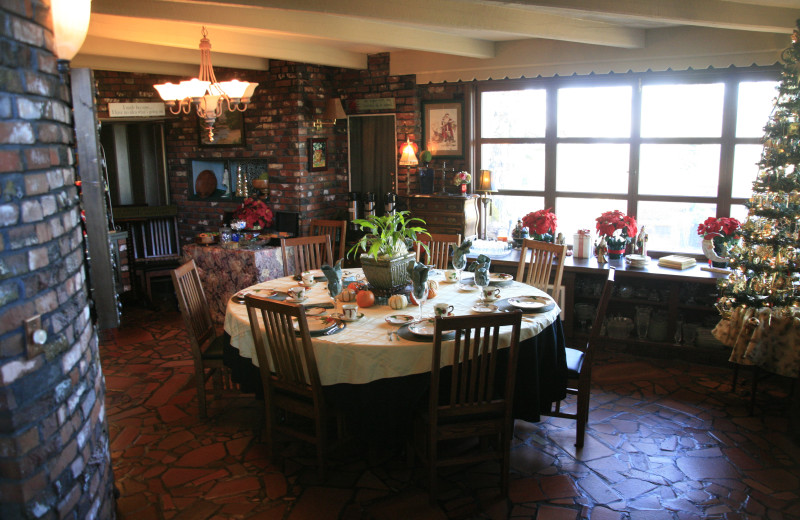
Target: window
[(670, 149)]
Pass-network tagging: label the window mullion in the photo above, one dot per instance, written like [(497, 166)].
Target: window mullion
[(635, 144), (551, 133), (725, 183)]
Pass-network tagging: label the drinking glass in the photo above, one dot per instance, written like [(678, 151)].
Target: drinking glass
[(482, 281), (459, 265), (334, 289), (421, 298)]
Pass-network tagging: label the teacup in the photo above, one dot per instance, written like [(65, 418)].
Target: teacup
[(308, 278), (297, 293), (451, 275), (443, 309), (490, 294), (350, 311)]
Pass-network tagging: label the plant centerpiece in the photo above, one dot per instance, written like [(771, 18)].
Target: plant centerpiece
[(719, 236), (618, 229), (385, 249), (541, 225), (255, 213)]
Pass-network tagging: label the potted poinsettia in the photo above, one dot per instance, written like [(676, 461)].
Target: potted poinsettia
[(618, 229), (719, 236), (255, 213), (541, 225)]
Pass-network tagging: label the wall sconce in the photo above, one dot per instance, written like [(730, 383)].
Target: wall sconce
[(485, 187), (333, 112), (408, 157), (70, 25)]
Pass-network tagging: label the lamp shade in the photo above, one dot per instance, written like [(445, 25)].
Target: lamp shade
[(409, 158), (485, 182), (70, 25), (333, 110)]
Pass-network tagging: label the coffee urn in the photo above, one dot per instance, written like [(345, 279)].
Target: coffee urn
[(353, 210), (389, 203), (369, 205)]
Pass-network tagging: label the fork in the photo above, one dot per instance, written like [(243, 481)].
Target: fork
[(389, 334)]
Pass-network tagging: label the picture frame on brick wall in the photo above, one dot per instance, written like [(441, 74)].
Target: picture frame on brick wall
[(228, 130), (443, 128), (317, 154)]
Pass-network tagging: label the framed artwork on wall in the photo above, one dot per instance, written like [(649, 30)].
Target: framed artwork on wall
[(317, 154), (228, 130), (443, 128)]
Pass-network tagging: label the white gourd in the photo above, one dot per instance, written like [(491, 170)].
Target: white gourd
[(398, 301), (348, 295)]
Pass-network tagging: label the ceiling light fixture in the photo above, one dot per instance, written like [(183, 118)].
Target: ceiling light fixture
[(205, 93)]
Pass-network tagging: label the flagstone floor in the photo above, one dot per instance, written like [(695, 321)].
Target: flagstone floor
[(666, 440)]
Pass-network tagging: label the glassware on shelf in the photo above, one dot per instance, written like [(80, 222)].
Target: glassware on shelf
[(642, 321)]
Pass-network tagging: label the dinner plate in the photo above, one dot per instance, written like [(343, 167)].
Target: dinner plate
[(399, 319), (484, 307), (266, 293), (500, 278), (530, 302), (318, 325), (422, 328)]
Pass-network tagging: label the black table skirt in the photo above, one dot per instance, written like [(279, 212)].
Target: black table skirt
[(381, 410)]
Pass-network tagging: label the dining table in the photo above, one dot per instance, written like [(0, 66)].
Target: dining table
[(376, 367)]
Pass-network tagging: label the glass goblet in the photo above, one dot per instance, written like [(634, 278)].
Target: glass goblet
[(334, 290), (421, 298), (459, 265), (482, 282)]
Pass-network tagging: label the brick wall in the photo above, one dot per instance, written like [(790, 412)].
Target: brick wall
[(54, 458)]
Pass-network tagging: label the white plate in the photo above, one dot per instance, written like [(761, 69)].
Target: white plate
[(399, 319), (500, 277), (529, 302), (266, 293), (318, 323), (467, 287), (422, 328), (484, 308), (340, 316)]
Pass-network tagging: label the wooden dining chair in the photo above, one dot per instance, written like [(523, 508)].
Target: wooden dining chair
[(469, 405), (336, 229), (579, 367), (206, 344), (308, 253), (536, 270), (289, 375), (441, 247)]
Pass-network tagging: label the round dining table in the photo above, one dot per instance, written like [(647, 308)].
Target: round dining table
[(381, 376)]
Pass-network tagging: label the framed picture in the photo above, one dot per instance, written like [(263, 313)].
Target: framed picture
[(443, 128), (317, 154), (228, 130), (209, 179)]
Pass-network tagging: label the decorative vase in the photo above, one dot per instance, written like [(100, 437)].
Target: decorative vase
[(616, 247), (387, 275), (464, 189), (426, 180), (543, 237)]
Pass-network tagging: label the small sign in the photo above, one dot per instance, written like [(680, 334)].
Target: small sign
[(363, 105), (136, 110)]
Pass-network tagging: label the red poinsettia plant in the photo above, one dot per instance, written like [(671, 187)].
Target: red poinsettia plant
[(255, 212), (726, 228), (540, 222), (617, 226)]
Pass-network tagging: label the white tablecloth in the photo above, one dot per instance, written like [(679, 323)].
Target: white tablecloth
[(362, 352)]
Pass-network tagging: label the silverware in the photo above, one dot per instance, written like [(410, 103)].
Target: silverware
[(389, 334)]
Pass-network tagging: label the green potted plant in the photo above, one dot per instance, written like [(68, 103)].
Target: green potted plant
[(385, 248)]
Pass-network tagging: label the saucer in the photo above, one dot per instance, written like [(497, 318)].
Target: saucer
[(399, 319), (294, 300), (340, 316), (307, 285), (484, 308), (467, 287)]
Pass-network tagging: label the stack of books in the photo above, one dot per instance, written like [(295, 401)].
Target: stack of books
[(677, 262)]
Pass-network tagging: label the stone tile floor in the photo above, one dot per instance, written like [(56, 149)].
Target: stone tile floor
[(666, 440)]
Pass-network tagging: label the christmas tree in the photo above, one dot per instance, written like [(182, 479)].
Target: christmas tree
[(759, 301)]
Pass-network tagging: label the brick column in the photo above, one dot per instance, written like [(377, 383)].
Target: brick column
[(54, 457)]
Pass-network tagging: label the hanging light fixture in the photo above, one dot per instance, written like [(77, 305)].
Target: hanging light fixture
[(205, 93), (70, 25), (333, 112)]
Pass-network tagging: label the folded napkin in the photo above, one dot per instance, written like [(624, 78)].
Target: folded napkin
[(482, 276), (419, 278), (482, 261), (334, 277), (460, 254)]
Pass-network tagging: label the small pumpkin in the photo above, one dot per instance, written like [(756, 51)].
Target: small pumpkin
[(433, 289), (348, 295), (398, 301)]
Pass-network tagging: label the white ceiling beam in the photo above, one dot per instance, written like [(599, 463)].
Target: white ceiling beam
[(455, 16), (718, 14), (319, 26)]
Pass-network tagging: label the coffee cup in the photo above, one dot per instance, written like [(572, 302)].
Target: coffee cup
[(308, 277), (490, 294), (350, 311), (451, 275), (297, 293), (443, 309)]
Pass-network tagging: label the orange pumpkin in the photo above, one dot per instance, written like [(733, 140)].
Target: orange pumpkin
[(365, 298)]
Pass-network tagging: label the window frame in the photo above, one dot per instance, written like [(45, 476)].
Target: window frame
[(727, 140)]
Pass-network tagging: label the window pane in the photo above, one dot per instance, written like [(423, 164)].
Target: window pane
[(682, 110), (679, 169), (506, 209), (745, 169), (756, 99), (515, 166), (574, 213), (513, 113), (739, 212), (672, 226), (594, 112), (598, 168)]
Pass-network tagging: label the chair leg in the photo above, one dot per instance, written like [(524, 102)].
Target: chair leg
[(200, 376)]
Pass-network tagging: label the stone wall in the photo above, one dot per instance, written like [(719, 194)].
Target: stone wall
[(54, 458)]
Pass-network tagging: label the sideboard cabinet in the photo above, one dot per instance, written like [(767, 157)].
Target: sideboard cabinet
[(449, 214)]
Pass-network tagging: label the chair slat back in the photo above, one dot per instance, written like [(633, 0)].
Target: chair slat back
[(159, 238), (544, 257), (285, 357), (194, 307), (310, 252), (441, 246), (474, 365), (602, 306), (336, 229)]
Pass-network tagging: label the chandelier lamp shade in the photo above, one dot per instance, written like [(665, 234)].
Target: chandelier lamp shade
[(205, 94)]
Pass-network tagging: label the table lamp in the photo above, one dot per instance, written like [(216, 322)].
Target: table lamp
[(485, 187), (409, 159)]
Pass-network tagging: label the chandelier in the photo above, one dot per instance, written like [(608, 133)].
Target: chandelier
[(205, 93)]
